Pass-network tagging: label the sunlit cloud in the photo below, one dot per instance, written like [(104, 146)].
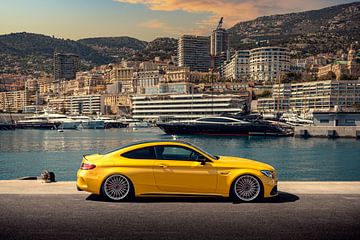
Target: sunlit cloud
[(154, 24), (233, 11)]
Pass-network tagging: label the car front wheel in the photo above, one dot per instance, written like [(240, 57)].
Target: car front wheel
[(116, 188), (246, 188)]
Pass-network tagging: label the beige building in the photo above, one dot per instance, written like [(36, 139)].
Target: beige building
[(15, 101), (123, 75), (312, 96), (116, 104), (349, 68)]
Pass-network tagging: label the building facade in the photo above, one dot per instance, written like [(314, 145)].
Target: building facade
[(66, 66), (194, 52), (238, 68), (267, 64), (87, 104), (180, 107), (15, 101), (312, 96)]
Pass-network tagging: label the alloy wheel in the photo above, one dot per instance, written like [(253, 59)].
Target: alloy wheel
[(247, 188), (116, 187)]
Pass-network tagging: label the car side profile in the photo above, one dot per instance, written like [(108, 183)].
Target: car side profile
[(153, 168)]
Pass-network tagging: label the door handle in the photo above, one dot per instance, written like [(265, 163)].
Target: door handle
[(163, 165)]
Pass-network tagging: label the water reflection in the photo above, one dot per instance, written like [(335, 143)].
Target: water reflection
[(26, 152)]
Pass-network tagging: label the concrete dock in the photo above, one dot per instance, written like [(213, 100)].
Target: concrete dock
[(303, 210), (327, 131)]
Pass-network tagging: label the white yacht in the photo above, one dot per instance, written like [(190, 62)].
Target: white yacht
[(48, 121), (89, 123), (65, 122), (139, 124)]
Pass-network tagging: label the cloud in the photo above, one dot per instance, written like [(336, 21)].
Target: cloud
[(233, 11), (154, 24)]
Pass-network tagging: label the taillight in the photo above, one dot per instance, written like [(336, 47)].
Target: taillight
[(87, 166)]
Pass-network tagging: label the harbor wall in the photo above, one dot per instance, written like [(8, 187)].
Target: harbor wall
[(328, 131)]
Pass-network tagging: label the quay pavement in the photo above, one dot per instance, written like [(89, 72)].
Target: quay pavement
[(303, 210)]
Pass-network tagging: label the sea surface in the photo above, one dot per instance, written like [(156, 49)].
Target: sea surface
[(28, 152)]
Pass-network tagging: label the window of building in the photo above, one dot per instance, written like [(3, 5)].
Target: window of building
[(324, 120), (350, 121)]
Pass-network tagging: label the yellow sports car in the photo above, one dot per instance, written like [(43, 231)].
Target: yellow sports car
[(174, 168)]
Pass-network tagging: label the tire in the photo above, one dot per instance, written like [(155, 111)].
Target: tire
[(117, 188), (246, 188)]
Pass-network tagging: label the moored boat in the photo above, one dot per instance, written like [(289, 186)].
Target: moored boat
[(89, 123), (224, 126)]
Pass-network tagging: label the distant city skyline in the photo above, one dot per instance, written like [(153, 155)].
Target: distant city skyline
[(145, 20)]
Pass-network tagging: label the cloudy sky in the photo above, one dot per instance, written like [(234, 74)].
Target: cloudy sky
[(143, 19)]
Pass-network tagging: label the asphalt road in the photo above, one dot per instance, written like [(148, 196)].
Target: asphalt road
[(90, 217)]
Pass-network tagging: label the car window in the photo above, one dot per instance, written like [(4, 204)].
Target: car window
[(142, 153), (175, 153)]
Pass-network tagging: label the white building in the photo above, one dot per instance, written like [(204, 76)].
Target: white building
[(238, 69), (87, 104), (185, 106), (312, 96), (268, 63), (262, 65)]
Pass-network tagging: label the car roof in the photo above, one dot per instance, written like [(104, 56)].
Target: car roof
[(148, 141)]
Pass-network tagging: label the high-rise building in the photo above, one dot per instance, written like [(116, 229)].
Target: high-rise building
[(219, 46), (219, 42), (194, 52), (66, 66)]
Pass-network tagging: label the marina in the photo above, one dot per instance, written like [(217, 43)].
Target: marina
[(28, 152)]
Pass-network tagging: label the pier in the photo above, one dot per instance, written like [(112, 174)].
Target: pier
[(328, 131)]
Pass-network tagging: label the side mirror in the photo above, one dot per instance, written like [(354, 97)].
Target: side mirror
[(201, 159)]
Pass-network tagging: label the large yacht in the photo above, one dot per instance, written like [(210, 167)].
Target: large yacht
[(89, 123), (37, 122), (48, 121), (224, 126), (110, 123)]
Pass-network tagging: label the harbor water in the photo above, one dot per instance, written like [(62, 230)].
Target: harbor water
[(28, 152)]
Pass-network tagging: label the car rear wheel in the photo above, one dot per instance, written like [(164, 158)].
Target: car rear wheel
[(246, 188), (116, 188)]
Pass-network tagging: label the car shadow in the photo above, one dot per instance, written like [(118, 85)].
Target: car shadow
[(283, 197)]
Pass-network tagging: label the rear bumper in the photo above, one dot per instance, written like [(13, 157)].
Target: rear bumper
[(88, 181)]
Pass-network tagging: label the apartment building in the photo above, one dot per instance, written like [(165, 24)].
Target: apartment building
[(15, 101), (312, 96), (261, 65), (194, 52), (66, 66)]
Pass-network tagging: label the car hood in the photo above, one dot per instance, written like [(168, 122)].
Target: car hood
[(237, 162)]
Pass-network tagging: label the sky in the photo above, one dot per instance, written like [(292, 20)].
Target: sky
[(142, 19)]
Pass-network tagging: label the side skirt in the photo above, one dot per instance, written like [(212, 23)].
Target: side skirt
[(181, 195)]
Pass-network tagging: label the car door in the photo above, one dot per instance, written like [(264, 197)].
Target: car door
[(177, 170)]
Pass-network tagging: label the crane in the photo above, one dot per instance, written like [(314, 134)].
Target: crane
[(220, 23)]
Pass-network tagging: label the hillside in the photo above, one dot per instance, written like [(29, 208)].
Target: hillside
[(309, 32), (26, 44), (28, 52), (131, 48)]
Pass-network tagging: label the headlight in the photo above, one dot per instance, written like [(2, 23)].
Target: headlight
[(267, 173)]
